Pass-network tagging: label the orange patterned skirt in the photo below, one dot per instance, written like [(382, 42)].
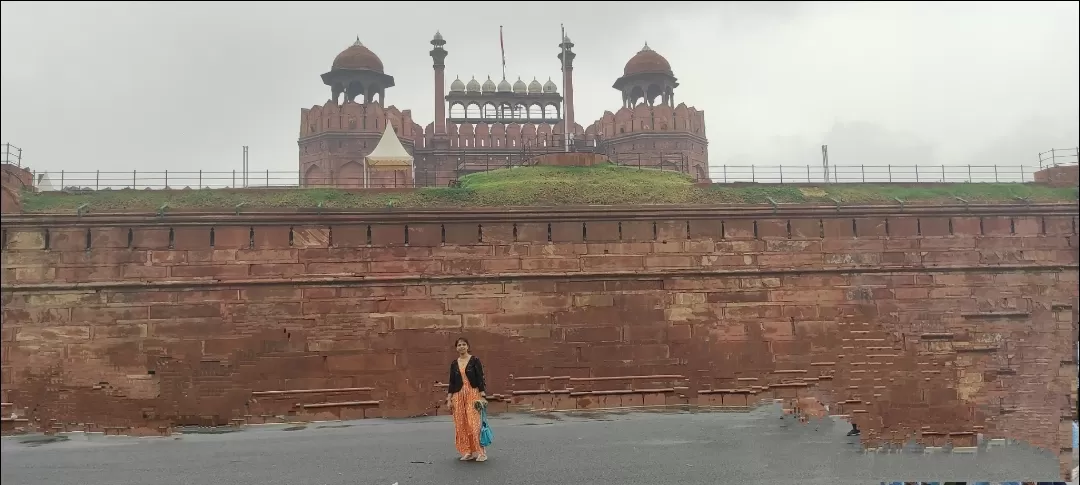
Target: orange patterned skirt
[(466, 418)]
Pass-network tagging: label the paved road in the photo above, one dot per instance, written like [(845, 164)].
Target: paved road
[(626, 449)]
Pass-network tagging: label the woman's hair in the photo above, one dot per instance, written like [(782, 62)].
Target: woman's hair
[(462, 339)]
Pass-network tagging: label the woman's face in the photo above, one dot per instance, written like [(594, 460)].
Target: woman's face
[(462, 346)]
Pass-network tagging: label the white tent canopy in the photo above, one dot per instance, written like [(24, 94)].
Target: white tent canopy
[(389, 154), (44, 183)]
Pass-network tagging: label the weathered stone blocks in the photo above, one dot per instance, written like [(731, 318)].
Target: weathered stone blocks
[(916, 326)]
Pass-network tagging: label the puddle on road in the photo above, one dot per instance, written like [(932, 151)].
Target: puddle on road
[(40, 440), (334, 426), (209, 430)]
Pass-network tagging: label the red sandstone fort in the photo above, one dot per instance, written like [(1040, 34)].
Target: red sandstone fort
[(937, 322), (491, 124)]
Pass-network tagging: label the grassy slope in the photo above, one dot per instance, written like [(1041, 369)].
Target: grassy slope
[(543, 186)]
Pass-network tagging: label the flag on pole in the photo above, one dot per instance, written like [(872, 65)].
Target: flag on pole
[(502, 49)]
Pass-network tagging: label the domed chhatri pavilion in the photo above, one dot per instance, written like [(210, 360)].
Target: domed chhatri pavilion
[(483, 124)]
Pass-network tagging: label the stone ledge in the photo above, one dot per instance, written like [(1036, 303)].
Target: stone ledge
[(566, 276), (309, 216), (311, 391), (319, 405)]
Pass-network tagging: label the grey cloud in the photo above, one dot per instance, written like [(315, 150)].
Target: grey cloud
[(182, 86)]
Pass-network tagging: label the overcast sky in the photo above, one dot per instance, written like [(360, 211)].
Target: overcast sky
[(182, 86)]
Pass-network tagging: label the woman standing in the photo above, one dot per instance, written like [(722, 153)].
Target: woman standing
[(465, 389)]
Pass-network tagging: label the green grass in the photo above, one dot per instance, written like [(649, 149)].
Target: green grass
[(542, 186)]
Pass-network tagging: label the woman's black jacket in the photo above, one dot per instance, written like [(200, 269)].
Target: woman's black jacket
[(474, 370)]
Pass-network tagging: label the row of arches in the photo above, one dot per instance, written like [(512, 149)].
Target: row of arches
[(373, 93), (502, 135), (641, 119), (507, 132), (373, 118), (504, 111), (647, 94)]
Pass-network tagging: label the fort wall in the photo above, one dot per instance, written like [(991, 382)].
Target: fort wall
[(933, 323)]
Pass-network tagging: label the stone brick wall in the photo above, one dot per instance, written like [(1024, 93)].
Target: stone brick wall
[(935, 323), (9, 200), (13, 180), (653, 135), (334, 139), (1062, 176)]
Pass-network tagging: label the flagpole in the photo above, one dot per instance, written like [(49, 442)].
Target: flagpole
[(562, 59), (502, 50)]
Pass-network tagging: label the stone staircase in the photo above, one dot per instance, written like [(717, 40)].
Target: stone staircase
[(565, 393), (13, 420)]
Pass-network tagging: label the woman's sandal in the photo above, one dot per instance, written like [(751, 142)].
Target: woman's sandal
[(482, 457), (468, 457)]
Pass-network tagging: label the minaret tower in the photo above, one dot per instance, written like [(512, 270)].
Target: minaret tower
[(438, 56), (566, 56)]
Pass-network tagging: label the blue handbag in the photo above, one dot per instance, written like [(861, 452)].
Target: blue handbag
[(485, 431)]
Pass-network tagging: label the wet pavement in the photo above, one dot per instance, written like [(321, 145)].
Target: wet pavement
[(625, 449)]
